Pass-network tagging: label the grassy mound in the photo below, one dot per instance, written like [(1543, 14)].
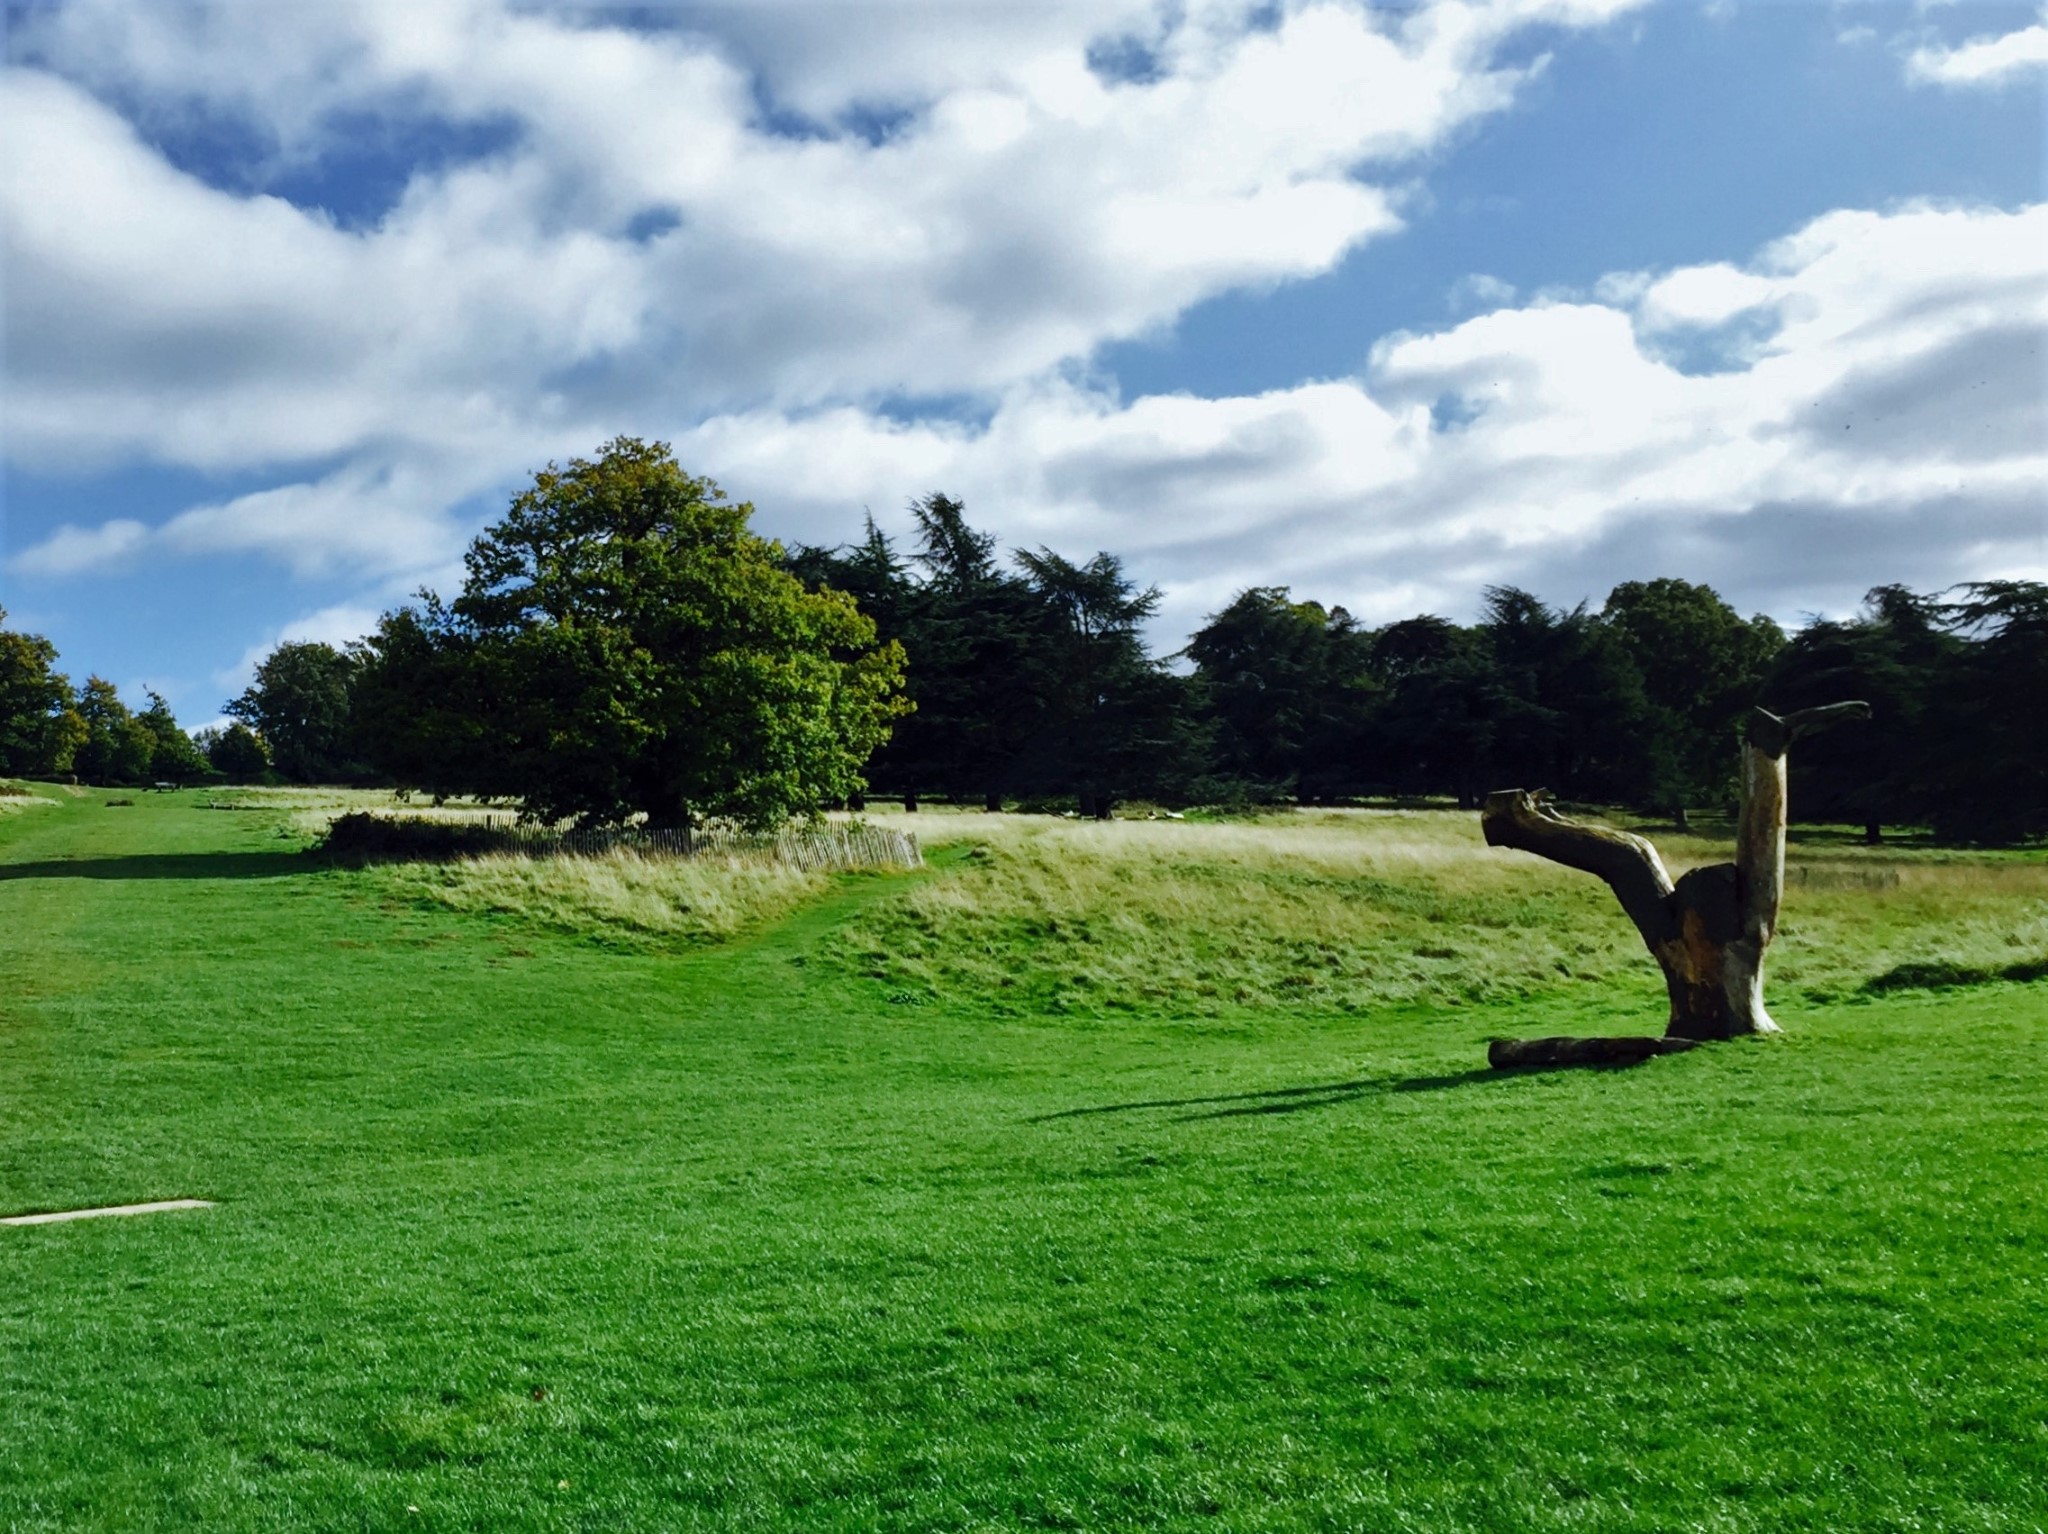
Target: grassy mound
[(1351, 911), (615, 894), (16, 797)]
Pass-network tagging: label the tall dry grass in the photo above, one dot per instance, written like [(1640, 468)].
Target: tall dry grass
[(16, 797), (311, 810), (1358, 909), (617, 893)]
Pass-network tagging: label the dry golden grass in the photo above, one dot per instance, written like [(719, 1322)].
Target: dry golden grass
[(311, 810), (16, 797), (618, 893), (1358, 909), (1338, 909)]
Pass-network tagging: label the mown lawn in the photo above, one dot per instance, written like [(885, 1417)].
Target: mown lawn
[(526, 1224)]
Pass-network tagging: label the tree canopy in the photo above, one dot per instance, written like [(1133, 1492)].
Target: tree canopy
[(299, 703), (47, 730), (624, 645), (40, 730)]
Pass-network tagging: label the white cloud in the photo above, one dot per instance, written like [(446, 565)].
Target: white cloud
[(1022, 211), (380, 522), (972, 211), (1898, 411), (369, 522), (71, 549), (1478, 290), (1984, 61), (336, 625)]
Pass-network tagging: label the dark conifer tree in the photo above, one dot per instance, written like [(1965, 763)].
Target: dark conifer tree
[(1288, 690), (1986, 766), (1893, 655), (974, 631), (1702, 667), (1112, 719)]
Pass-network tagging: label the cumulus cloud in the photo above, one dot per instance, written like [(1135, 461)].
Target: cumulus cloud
[(71, 548), (1889, 393), (1984, 61), (1885, 396), (648, 232), (336, 625), (775, 234)]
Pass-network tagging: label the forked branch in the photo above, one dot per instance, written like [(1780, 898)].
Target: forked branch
[(1630, 866)]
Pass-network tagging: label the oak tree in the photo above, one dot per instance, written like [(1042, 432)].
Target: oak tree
[(624, 645)]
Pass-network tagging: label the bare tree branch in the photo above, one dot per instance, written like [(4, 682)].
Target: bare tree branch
[(1517, 818)]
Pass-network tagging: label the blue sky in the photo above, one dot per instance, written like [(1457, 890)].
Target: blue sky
[(1381, 303)]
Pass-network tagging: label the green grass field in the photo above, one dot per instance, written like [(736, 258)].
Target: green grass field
[(1096, 1177)]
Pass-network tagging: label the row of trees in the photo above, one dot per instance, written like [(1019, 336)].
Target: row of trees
[(50, 730), (1034, 679), (623, 644)]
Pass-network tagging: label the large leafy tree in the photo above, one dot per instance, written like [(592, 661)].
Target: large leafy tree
[(299, 703), (236, 752), (118, 747), (174, 755), (624, 645), (40, 731)]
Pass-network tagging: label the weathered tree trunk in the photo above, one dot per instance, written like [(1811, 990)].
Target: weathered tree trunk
[(1708, 930)]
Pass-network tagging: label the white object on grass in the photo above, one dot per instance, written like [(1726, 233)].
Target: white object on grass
[(94, 1214)]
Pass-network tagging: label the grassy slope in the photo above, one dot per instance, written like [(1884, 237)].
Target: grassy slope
[(723, 1238), (1356, 911)]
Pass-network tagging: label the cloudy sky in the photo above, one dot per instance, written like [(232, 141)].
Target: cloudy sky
[(1383, 302)]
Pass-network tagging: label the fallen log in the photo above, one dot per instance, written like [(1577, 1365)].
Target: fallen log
[(1536, 1054)]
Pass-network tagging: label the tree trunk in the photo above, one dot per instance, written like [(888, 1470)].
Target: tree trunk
[(1873, 833), (1708, 931), (992, 801), (910, 801)]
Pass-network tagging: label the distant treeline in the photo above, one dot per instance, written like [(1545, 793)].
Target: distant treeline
[(1032, 683), (1032, 680)]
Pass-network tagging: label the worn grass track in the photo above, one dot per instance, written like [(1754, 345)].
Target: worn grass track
[(526, 1231)]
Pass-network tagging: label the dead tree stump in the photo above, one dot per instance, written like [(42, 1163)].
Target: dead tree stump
[(1708, 931)]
